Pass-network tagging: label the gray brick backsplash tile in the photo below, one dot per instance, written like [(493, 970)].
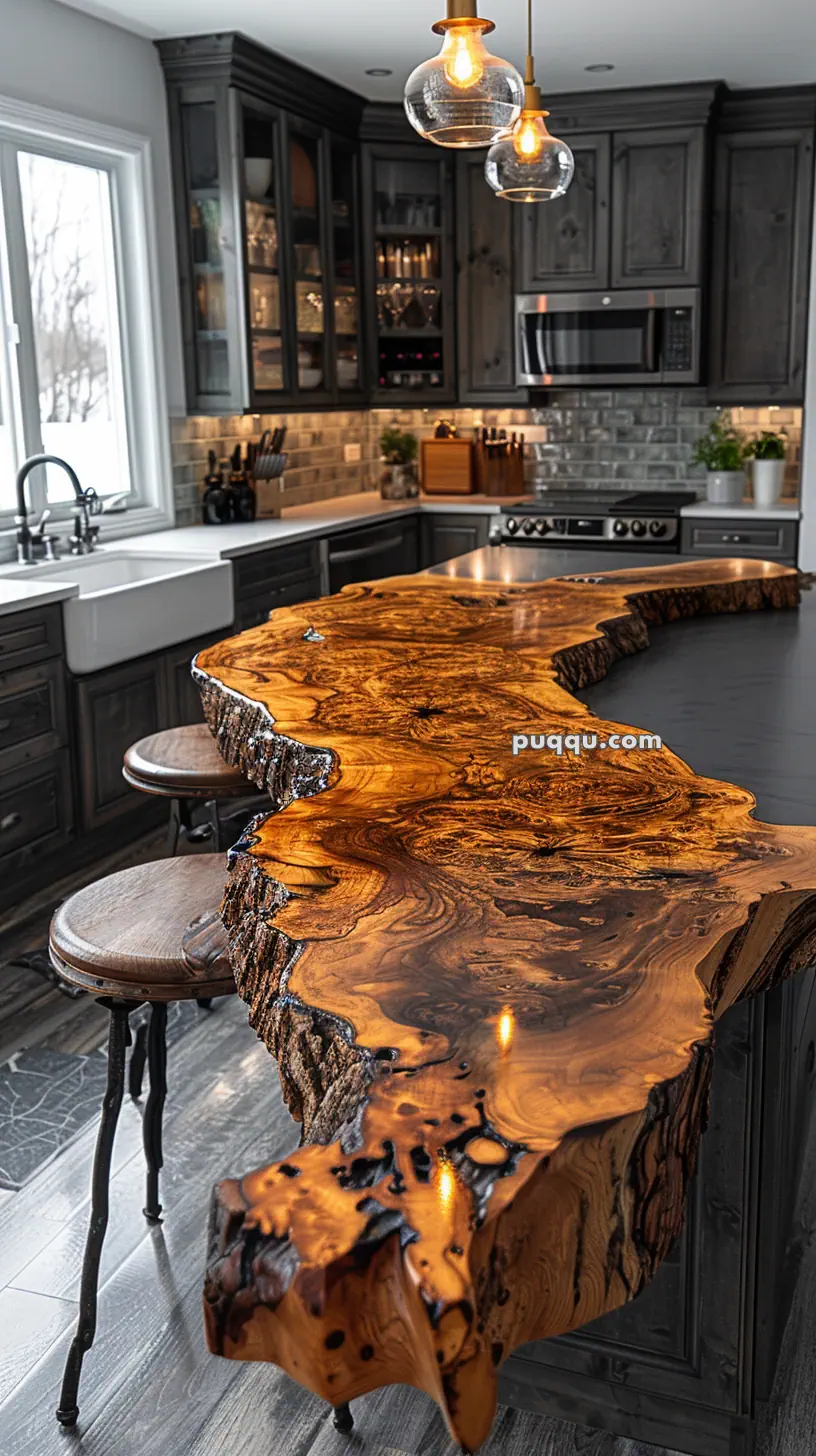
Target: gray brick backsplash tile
[(590, 437)]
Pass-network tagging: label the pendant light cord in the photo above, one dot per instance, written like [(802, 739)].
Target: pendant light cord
[(530, 72)]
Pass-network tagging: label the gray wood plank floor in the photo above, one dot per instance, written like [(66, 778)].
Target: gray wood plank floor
[(150, 1388)]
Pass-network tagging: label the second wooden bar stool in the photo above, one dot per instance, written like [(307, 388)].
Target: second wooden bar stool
[(184, 766)]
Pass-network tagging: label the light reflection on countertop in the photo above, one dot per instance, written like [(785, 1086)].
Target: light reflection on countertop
[(514, 565)]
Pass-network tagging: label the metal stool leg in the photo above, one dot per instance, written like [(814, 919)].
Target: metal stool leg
[(86, 1327), (173, 828), (138, 1060), (343, 1420), (154, 1109)]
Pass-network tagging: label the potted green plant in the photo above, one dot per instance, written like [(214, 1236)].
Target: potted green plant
[(722, 451), (768, 456), (399, 450)]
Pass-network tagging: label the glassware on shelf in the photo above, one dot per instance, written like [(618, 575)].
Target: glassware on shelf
[(345, 309), (267, 362), (211, 314), (431, 296), (264, 297), (310, 364), (348, 366), (262, 235), (309, 309), (307, 260)]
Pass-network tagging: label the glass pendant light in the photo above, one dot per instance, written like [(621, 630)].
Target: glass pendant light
[(464, 96), (526, 164)]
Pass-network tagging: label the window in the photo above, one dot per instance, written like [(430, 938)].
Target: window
[(81, 372)]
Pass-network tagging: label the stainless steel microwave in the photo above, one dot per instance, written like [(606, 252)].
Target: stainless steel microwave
[(637, 336)]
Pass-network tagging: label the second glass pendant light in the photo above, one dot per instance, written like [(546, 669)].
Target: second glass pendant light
[(526, 163), (464, 96)]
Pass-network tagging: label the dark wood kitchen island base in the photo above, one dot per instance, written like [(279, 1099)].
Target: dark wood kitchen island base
[(490, 978)]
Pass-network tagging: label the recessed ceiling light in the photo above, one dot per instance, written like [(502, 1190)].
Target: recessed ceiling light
[(379, 71), (602, 66)]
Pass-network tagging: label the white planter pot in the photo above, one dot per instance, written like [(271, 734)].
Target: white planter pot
[(768, 477), (725, 487)]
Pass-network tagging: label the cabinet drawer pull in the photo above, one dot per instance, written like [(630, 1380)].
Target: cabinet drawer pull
[(10, 822), (359, 553)]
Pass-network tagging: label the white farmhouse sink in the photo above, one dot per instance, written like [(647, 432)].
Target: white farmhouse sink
[(133, 602)]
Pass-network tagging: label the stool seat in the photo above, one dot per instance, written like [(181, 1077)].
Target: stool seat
[(148, 933), (183, 763)]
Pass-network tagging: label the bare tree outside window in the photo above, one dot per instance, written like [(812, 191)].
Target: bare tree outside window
[(68, 224)]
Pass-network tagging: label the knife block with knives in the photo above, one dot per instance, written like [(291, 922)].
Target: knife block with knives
[(499, 463), (268, 465)]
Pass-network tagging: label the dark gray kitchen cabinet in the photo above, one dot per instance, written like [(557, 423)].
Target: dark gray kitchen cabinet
[(658, 197), (690, 1363), (486, 228), (763, 210), (454, 533), (391, 548), (183, 697), (114, 708), (36, 784), (730, 536), (565, 243), (280, 577), (265, 167)]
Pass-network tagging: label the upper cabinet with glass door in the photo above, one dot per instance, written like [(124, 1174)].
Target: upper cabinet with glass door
[(409, 241), (268, 228)]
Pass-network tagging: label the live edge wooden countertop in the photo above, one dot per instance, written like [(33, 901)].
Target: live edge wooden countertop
[(490, 980)]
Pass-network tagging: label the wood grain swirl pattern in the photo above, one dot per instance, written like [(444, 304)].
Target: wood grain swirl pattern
[(490, 981)]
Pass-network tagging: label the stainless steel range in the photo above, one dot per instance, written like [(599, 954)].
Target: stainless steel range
[(649, 520)]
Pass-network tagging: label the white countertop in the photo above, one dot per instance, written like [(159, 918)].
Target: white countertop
[(17, 596), (782, 511), (299, 523)]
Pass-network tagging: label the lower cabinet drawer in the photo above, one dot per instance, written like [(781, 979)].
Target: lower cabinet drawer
[(771, 540), (33, 713), (36, 811), (252, 611)]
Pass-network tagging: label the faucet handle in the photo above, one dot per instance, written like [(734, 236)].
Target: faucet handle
[(93, 501), (38, 531)]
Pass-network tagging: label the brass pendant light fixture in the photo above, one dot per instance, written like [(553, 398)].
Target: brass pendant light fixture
[(527, 164), (464, 97)]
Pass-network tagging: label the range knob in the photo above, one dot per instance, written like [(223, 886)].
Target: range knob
[(512, 525), (527, 526), (657, 528), (638, 528), (559, 525), (620, 528), (542, 527)]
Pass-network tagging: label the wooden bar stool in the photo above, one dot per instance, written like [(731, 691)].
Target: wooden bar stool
[(150, 934), (184, 766)]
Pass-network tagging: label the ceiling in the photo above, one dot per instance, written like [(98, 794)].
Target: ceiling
[(744, 42)]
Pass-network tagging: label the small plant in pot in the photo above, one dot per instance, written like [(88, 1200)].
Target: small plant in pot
[(722, 452), (768, 456), (399, 451)]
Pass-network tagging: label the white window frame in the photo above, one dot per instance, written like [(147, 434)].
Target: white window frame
[(127, 157)]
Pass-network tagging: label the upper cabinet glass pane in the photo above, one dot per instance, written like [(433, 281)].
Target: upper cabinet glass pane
[(408, 200), (263, 252), (211, 347), (307, 240), (346, 312)]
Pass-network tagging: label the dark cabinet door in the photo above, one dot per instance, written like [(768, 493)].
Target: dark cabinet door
[(485, 226), (565, 244), (658, 181), (113, 709), (453, 534), (763, 197), (390, 549)]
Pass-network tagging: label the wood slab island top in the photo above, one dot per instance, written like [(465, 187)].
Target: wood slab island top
[(490, 978)]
